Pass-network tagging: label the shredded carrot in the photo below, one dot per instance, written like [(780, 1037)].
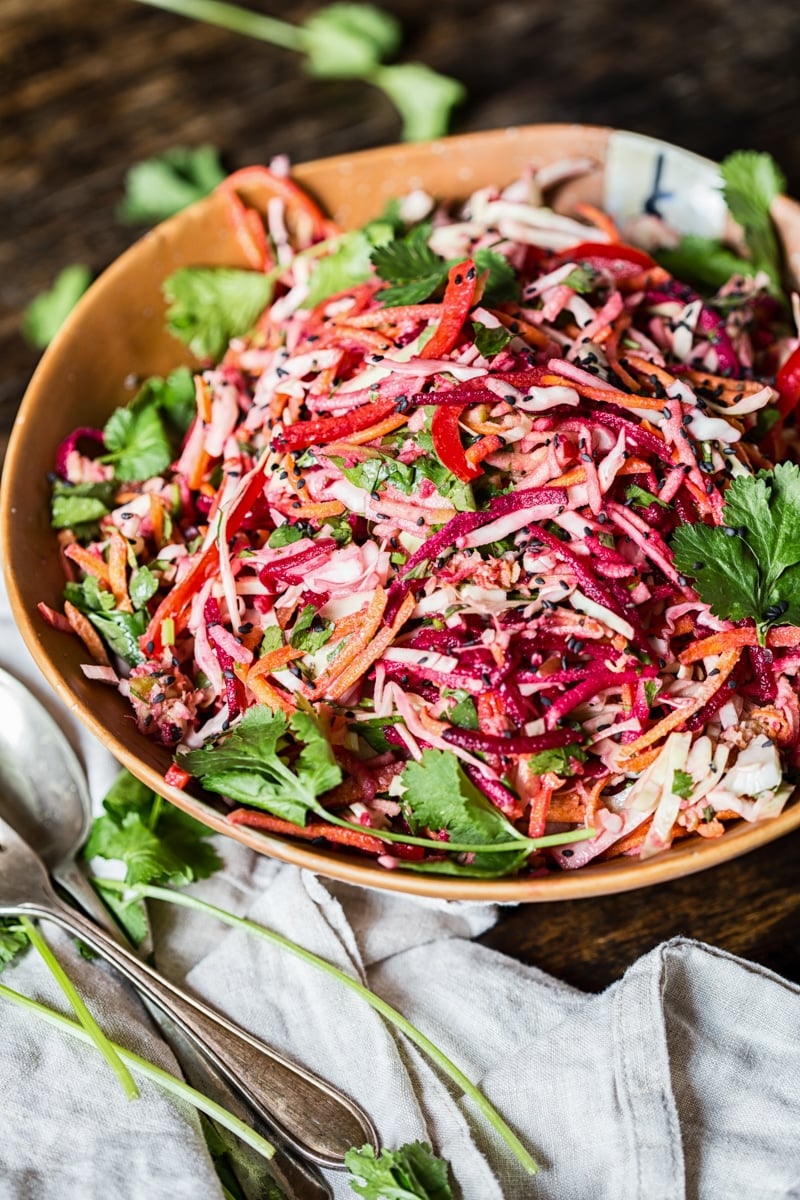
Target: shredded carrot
[(87, 633), (609, 395), (367, 654), (325, 508), (350, 651), (481, 449), (601, 219), (678, 716), (118, 570), (273, 660), (781, 637), (310, 832), (157, 519)]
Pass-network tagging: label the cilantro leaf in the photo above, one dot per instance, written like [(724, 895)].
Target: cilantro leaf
[(210, 305), (142, 587), (136, 443), (489, 342), (752, 181), (464, 712), (173, 397), (682, 784), (347, 41), (750, 566), (639, 495), (725, 572), (272, 640), (375, 473), (410, 266), (582, 279), (411, 1173), (704, 261), (246, 764), (423, 97), (348, 265), (121, 632), (501, 282), (79, 503), (48, 311), (439, 797), (88, 596), (13, 940), (162, 186), (157, 842), (372, 731), (561, 760), (311, 632), (284, 535)]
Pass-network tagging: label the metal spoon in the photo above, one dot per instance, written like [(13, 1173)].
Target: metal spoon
[(44, 796)]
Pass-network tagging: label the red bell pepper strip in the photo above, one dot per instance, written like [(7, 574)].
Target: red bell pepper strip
[(322, 430), (617, 258), (459, 297), (787, 381), (447, 443), (286, 189), (179, 597)]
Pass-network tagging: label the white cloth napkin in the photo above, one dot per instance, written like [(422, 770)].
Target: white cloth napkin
[(680, 1082)]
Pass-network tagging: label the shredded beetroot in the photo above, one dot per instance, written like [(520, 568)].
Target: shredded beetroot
[(442, 533)]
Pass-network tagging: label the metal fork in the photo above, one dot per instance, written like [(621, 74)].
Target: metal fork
[(317, 1120)]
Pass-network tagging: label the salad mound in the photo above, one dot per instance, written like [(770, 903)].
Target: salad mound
[(466, 548)]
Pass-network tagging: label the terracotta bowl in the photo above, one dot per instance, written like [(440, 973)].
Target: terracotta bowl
[(117, 331)]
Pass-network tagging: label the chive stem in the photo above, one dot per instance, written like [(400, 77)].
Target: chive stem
[(150, 1071), (92, 1029)]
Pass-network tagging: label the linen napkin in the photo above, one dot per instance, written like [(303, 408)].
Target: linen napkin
[(682, 1080)]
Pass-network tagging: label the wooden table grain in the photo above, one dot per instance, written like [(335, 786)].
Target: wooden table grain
[(87, 89)]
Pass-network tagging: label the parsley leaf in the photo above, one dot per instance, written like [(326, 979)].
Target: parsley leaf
[(13, 940), (162, 186), (750, 566), (136, 443), (48, 311), (411, 1173), (489, 342), (156, 841), (246, 764), (682, 784), (752, 181), (347, 41), (210, 305), (410, 266), (438, 796)]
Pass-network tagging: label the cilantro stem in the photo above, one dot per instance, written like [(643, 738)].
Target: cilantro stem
[(238, 20), (519, 843), (150, 1071), (92, 1030), (148, 891)]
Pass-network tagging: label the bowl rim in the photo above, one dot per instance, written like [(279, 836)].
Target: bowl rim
[(615, 876)]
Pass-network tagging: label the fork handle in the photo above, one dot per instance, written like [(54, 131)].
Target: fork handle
[(312, 1116)]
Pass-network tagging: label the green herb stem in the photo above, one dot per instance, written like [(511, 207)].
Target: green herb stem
[(238, 20), (551, 839), (90, 1026), (391, 1014), (150, 1071)]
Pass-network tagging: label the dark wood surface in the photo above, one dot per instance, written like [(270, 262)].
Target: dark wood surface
[(89, 88)]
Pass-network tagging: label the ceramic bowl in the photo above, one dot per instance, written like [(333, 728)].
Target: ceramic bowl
[(117, 332)]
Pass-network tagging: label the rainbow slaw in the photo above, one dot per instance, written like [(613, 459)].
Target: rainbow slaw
[(439, 531)]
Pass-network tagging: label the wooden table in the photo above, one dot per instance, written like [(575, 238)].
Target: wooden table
[(90, 88)]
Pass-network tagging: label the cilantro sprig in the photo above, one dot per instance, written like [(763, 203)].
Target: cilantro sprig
[(748, 568), (162, 186), (48, 311), (751, 182), (415, 272), (413, 1172), (346, 41)]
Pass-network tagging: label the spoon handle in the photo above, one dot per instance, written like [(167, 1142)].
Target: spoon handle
[(315, 1118), (298, 1177)]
